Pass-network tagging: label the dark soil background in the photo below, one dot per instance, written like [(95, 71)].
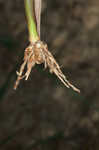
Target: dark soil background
[(42, 114)]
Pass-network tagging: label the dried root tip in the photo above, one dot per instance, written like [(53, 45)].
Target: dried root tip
[(63, 79), (67, 83), (17, 82)]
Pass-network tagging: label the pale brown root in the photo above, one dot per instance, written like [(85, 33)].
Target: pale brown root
[(19, 74), (55, 68), (38, 53), (63, 79), (29, 68)]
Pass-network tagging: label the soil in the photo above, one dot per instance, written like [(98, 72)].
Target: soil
[(42, 114)]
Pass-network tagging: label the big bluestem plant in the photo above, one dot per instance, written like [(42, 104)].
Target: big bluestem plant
[(37, 52)]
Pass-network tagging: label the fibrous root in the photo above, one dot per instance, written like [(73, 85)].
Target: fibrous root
[(38, 53)]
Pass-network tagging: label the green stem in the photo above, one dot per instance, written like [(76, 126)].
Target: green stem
[(30, 14)]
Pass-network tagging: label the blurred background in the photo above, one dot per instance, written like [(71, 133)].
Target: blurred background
[(42, 114)]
